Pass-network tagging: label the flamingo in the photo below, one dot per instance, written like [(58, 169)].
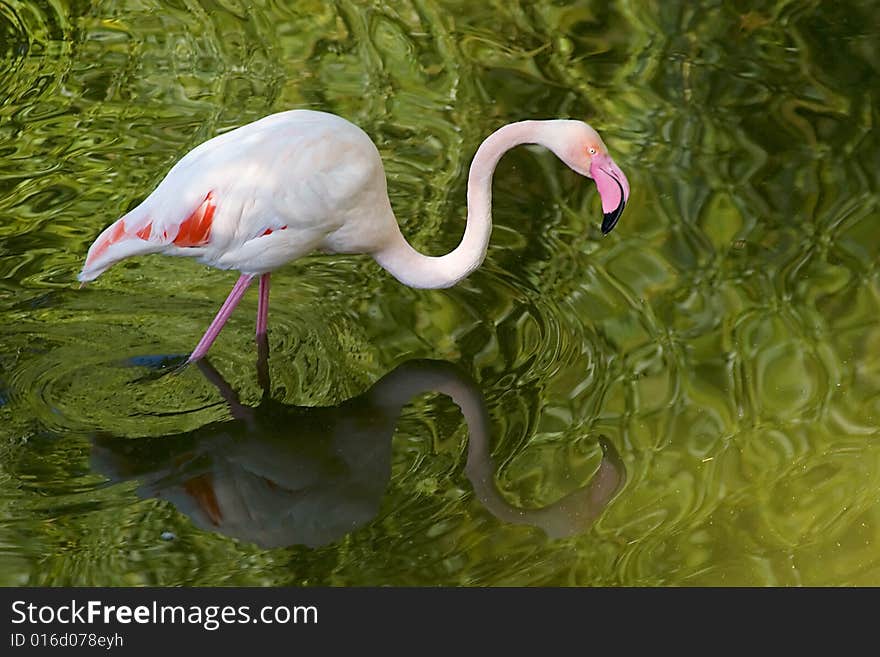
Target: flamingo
[(271, 191)]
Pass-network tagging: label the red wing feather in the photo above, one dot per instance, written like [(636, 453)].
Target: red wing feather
[(144, 233), (195, 230)]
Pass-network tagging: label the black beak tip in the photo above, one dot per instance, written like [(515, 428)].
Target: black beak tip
[(609, 221)]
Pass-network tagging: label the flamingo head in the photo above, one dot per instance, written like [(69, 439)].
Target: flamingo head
[(582, 149)]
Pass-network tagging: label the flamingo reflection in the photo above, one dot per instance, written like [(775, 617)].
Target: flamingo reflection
[(279, 475)]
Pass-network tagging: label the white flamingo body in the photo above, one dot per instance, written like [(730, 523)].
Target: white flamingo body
[(314, 179), (269, 192)]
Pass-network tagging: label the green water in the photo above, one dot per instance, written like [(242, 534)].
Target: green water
[(691, 400)]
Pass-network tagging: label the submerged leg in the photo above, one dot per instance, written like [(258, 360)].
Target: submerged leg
[(263, 307), (226, 309), (263, 363), (262, 339)]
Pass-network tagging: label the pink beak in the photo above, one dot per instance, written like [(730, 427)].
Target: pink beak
[(613, 189)]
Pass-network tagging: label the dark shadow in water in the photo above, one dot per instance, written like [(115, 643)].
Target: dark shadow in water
[(279, 475)]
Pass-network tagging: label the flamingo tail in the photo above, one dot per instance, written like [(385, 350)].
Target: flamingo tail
[(122, 239)]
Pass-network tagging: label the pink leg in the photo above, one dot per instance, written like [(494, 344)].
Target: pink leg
[(229, 305), (263, 307)]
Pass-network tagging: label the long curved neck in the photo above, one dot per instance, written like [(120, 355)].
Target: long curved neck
[(418, 270)]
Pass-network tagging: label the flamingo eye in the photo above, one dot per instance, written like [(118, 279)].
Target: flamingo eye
[(592, 150)]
